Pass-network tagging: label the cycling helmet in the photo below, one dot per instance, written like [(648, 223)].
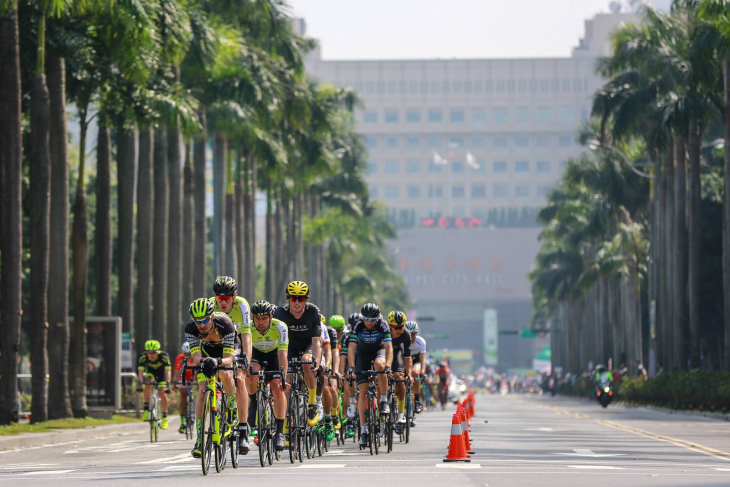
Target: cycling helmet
[(322, 318), (225, 286), (370, 310), (261, 308), (272, 308), (600, 368), (201, 307), (354, 318), (337, 322), (152, 346), (412, 326), (396, 318), (297, 288), (185, 348)]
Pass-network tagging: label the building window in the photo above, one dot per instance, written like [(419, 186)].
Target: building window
[(478, 115), (566, 85), (480, 167), (413, 87), (381, 86), (391, 86), (562, 165), (489, 86), (391, 116), (533, 85), (565, 115), (542, 191), (435, 191), (500, 142), (544, 140), (543, 166), (435, 87), (370, 116), (511, 85), (555, 85), (500, 115), (370, 142), (583, 114), (413, 115), (522, 191), (478, 141), (499, 167), (414, 192), (479, 191), (392, 191), (445, 86), (457, 167), (373, 191), (522, 140), (413, 167), (544, 114), (457, 192), (413, 142), (456, 142), (391, 142), (434, 115), (544, 85), (478, 86), (500, 86), (577, 85), (566, 141), (424, 86), (522, 115), (522, 166), (456, 86), (500, 191), (372, 167), (370, 87), (522, 85), (435, 168), (392, 167), (467, 86), (456, 115), (434, 142), (402, 86)]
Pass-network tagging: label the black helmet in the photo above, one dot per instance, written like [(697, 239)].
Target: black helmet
[(225, 286), (370, 310), (354, 318), (261, 308)]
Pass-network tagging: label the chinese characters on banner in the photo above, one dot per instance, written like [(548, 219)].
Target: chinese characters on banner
[(454, 222)]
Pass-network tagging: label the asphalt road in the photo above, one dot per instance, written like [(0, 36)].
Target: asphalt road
[(528, 441)]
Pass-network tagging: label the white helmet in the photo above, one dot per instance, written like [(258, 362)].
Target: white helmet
[(185, 348), (412, 326)]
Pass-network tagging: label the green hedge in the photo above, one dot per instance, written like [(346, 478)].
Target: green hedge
[(696, 389)]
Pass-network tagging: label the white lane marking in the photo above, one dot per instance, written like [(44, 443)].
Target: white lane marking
[(589, 453), (723, 469), (595, 467), (165, 460), (545, 429), (458, 465), (179, 468), (322, 465), (14, 466), (49, 472)]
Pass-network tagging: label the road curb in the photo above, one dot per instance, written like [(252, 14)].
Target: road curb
[(59, 437)]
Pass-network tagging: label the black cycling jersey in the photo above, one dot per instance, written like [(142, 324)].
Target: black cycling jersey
[(162, 362), (344, 340), (333, 337), (302, 330), (222, 335), (373, 339), (403, 343)]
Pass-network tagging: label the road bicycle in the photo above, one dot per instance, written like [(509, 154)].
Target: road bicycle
[(266, 426), (404, 431), (296, 416), (372, 412)]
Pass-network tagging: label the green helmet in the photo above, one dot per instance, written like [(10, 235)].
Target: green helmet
[(152, 346), (201, 307), (337, 322)]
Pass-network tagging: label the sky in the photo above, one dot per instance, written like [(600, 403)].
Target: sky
[(446, 29)]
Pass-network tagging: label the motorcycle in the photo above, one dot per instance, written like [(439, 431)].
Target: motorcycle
[(604, 392)]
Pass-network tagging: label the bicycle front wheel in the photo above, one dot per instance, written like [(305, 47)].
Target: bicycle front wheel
[(206, 433)]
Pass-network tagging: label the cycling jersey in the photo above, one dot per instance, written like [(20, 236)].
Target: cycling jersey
[(155, 369), (373, 339), (275, 338), (239, 314), (418, 347), (222, 339), (179, 361), (401, 350), (302, 329)]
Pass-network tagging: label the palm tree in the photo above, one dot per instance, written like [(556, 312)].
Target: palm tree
[(103, 226), (159, 242), (145, 209), (199, 259)]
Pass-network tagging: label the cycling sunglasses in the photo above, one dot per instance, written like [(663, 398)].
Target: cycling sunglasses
[(202, 322), (369, 319), (225, 299), (397, 327), (298, 299)]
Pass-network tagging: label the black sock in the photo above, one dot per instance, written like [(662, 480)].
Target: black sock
[(146, 406), (417, 397), (164, 414), (252, 409), (279, 425)]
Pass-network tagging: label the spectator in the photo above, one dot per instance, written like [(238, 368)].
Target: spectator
[(659, 369), (640, 370)]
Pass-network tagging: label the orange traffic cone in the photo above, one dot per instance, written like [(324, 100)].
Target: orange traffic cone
[(472, 403), (465, 431), (457, 449)]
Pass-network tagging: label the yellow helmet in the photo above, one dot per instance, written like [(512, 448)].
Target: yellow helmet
[(396, 318), (322, 318), (297, 288)]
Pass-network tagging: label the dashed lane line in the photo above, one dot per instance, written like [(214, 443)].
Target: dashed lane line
[(48, 472)]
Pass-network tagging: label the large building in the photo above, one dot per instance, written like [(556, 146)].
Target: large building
[(464, 144)]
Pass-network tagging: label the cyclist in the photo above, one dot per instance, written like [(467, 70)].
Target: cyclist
[(302, 319), (418, 355), (181, 359), (444, 373), (402, 362), (348, 390), (324, 394), (370, 343), (227, 300), (154, 366), (213, 342), (336, 324), (270, 340)]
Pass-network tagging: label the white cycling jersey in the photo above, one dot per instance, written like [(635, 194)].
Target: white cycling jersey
[(418, 346)]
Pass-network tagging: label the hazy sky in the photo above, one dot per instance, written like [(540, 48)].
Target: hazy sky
[(418, 29)]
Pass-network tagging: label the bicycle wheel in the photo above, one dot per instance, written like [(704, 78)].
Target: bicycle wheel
[(262, 428), (190, 417), (234, 439), (389, 426), (409, 417), (270, 442), (291, 417), (206, 433), (220, 448), (372, 433)]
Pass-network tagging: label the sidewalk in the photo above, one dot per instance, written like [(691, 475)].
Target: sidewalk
[(63, 436)]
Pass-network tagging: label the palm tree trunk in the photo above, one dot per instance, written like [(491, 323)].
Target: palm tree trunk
[(726, 212), (669, 249), (269, 242), (201, 232), (230, 266), (247, 202), (189, 231), (103, 227), (251, 228), (58, 332), (126, 175), (40, 200), (174, 239), (159, 244), (219, 188), (681, 325), (660, 185), (239, 230), (695, 236), (80, 250), (282, 217), (145, 205)]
